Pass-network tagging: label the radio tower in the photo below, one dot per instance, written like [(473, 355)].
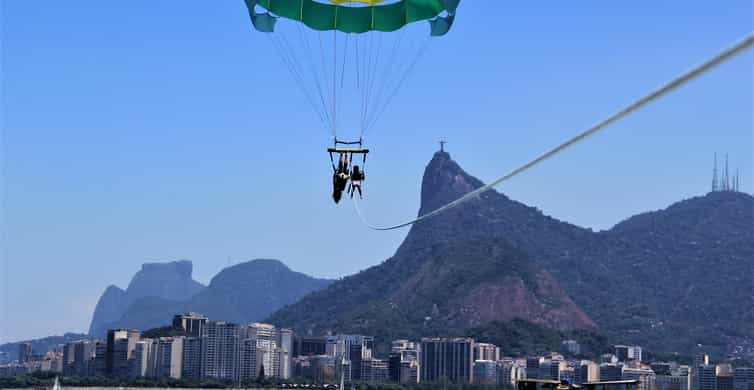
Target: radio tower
[(726, 176), (714, 175)]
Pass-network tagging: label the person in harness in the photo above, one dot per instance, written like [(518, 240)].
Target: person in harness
[(340, 177), (356, 177)]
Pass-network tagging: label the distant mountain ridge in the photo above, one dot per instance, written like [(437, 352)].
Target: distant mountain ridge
[(241, 293), (668, 279), (170, 281)]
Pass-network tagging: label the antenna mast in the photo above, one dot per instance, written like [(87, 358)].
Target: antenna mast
[(714, 175)]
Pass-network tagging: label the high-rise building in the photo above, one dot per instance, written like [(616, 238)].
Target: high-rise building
[(550, 369), (356, 355), (486, 351), (168, 357), (340, 345), (100, 358), (586, 371), (78, 356), (68, 358), (669, 378), (645, 376), (404, 362), (25, 353), (409, 372), (221, 350), (249, 364), (635, 353), (725, 382), (273, 349), (701, 359), (611, 372), (532, 367), (268, 347), (321, 368), (743, 378), (707, 377), (192, 358), (374, 370), (510, 371), (626, 353), (485, 372), (621, 352), (52, 361), (142, 362), (447, 359), (285, 340), (194, 324), (309, 346), (120, 347), (266, 343)]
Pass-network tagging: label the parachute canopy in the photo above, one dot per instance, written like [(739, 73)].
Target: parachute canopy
[(372, 16)]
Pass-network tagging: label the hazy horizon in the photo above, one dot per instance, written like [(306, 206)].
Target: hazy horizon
[(136, 132)]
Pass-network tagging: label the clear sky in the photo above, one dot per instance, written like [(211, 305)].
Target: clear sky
[(144, 130)]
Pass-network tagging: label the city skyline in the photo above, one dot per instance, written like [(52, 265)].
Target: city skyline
[(199, 348)]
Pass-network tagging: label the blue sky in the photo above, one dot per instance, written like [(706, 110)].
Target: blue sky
[(158, 130)]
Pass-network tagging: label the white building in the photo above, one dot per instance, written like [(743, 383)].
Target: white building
[(509, 371), (486, 351), (168, 357), (142, 364)]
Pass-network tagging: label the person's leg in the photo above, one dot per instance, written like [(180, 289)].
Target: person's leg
[(360, 195)]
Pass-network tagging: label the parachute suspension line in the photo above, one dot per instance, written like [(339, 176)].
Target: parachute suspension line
[(343, 72), (325, 79), (300, 71), (315, 75), (372, 81), (297, 78), (651, 97), (374, 56), (401, 81), (356, 57), (387, 75), (365, 78), (343, 68), (335, 78)]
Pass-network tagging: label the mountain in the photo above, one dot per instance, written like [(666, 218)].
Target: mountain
[(452, 273), (686, 274), (667, 280), (242, 293), (170, 281)]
